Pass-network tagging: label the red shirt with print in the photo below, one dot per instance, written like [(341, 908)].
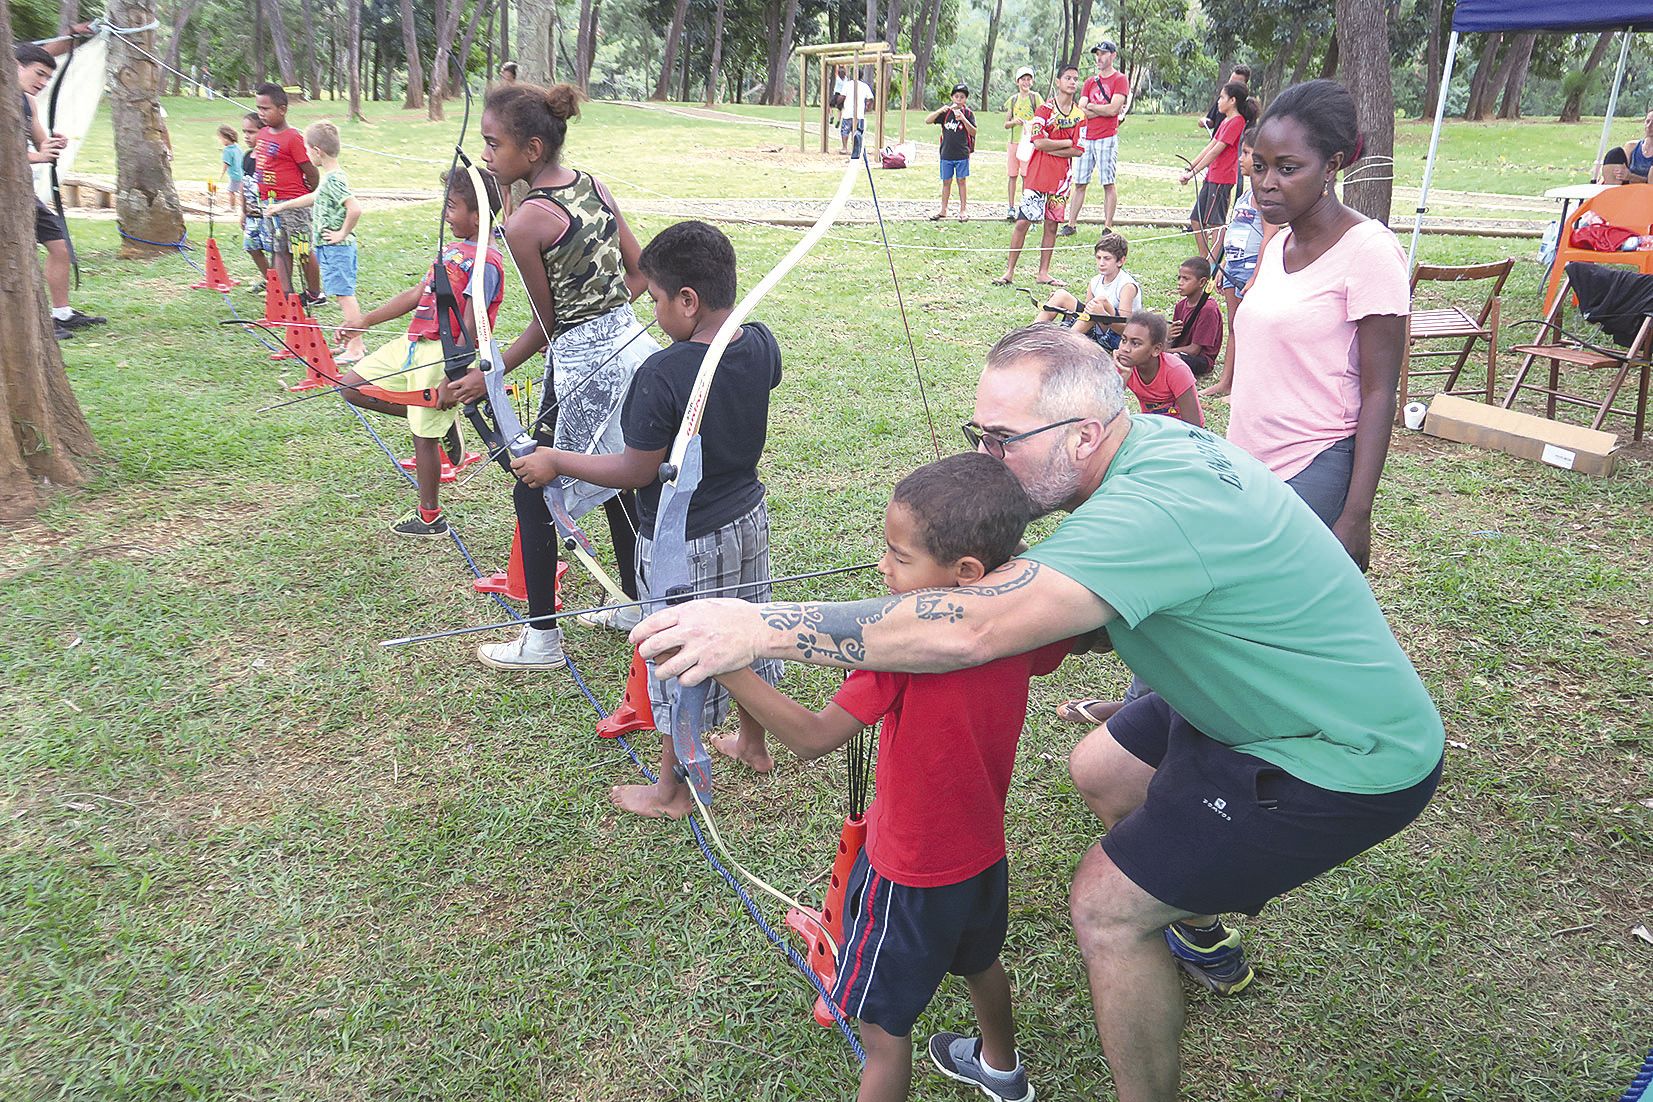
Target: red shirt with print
[(1100, 90), (278, 154), (459, 257), (1047, 173), (945, 753), (1160, 396), (1226, 168)]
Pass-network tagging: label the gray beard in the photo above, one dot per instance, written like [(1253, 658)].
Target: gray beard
[(1053, 485)]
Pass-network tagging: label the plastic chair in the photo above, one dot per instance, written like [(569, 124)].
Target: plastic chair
[(1628, 205), (1455, 324)]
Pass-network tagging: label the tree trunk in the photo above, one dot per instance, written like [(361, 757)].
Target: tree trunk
[(312, 71), (924, 51), (1432, 64), (447, 26), (46, 431), (534, 41), (505, 52), (714, 74), (1363, 31), (1300, 71), (872, 21), (174, 42), (892, 24), (987, 54), (416, 72), (1575, 99), (355, 48), (1328, 67), (668, 63), (1510, 108), (1475, 110), (588, 59), (1500, 76), (482, 13), (1274, 73), (1082, 26), (68, 14), (259, 52), (278, 42), (777, 80)]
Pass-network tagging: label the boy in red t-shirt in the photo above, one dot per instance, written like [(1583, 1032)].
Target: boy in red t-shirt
[(417, 361), (1222, 155), (1161, 382), (1054, 135), (930, 891), (1196, 320), (286, 172)]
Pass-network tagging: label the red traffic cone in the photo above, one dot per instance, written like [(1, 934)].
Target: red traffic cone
[(306, 338), (217, 277), (634, 713), (275, 303), (815, 927), (513, 583), (291, 315)]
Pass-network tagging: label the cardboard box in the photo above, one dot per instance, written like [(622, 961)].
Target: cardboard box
[(1570, 447)]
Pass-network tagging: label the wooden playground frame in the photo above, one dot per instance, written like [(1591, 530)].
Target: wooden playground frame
[(858, 55)]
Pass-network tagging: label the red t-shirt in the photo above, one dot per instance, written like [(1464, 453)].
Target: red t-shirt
[(459, 257), (278, 153), (1160, 396), (1047, 173), (1226, 168), (945, 753), (1206, 330), (1100, 90)]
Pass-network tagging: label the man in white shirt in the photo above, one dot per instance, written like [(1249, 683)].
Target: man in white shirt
[(857, 102)]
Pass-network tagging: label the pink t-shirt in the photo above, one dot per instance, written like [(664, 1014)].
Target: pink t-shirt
[(1160, 396), (1296, 347)]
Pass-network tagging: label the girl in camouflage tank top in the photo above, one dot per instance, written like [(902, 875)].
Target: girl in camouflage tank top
[(581, 292)]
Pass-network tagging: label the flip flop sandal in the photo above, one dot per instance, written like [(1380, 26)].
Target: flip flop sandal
[(1079, 711), (937, 217), (1050, 283), (1001, 283), (964, 218)]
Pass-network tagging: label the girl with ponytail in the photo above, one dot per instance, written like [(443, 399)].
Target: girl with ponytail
[(578, 262), (1222, 154), (1319, 337)]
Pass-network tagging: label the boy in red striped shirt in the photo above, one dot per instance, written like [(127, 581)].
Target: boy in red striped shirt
[(930, 892)]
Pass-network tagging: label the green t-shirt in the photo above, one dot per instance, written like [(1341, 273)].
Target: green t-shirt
[(331, 193), (1241, 609)]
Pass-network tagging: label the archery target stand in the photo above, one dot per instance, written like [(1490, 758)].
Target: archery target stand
[(449, 473)]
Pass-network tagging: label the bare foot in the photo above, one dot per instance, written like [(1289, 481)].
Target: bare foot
[(757, 758), (649, 800), (1216, 390)]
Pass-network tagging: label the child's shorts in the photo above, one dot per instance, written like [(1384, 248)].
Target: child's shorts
[(1016, 165), (735, 555), (338, 270), (1036, 206), (901, 942), (404, 364), (256, 237), (1101, 334), (1211, 207), (1233, 275), (956, 170), (295, 226)]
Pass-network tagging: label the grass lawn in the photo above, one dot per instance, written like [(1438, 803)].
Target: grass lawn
[(247, 853)]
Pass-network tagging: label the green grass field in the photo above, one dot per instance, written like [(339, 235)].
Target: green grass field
[(247, 853)]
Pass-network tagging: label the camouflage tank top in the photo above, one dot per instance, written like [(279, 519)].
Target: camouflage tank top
[(584, 268)]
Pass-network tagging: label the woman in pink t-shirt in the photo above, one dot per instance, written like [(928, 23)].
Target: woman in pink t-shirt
[(1319, 337)]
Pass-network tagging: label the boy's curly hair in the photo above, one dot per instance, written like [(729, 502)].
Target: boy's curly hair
[(967, 504)]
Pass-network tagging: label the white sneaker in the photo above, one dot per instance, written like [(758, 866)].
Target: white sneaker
[(534, 649), (614, 619)]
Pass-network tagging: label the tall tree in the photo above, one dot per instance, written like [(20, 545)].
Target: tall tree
[(987, 54), (1521, 53), (533, 41), (481, 13), (174, 41), (1363, 35), (355, 48), (312, 67), (1432, 63), (585, 44), (714, 74), (45, 432), (892, 24), (278, 41), (924, 50), (1578, 81), (447, 26), (668, 63), (776, 83), (1475, 110), (505, 52), (416, 72), (872, 20)]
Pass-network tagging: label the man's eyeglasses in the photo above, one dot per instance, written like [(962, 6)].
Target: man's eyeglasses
[(994, 444)]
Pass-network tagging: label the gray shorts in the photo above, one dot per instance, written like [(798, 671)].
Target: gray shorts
[(1101, 159), (735, 555)]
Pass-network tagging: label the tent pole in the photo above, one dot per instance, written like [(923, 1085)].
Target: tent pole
[(1612, 101), (1434, 142)]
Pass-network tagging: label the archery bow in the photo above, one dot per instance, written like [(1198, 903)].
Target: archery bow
[(51, 124), (679, 479)]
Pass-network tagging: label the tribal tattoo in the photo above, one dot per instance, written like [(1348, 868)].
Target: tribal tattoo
[(835, 634)]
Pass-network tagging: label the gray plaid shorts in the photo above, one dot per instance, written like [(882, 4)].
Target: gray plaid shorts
[(735, 555)]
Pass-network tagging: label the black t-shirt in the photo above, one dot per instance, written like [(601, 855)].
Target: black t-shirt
[(955, 140), (732, 429)]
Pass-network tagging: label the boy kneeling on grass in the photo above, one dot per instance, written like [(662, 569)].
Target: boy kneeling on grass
[(690, 268), (929, 894), (416, 362)]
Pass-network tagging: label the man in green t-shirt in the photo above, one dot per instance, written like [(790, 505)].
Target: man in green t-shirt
[(1288, 732)]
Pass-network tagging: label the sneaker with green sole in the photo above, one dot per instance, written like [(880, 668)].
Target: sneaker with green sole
[(415, 525), (1220, 968)]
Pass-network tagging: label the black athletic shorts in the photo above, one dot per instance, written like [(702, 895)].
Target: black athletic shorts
[(1211, 206), (900, 942), (47, 225), (1222, 831)]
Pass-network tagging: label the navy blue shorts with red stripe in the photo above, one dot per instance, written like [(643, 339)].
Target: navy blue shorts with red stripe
[(900, 942)]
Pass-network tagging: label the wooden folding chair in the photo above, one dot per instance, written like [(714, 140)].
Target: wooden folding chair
[(1455, 324), (1558, 350)]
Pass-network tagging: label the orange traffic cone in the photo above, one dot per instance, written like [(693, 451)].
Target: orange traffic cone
[(217, 277), (634, 713), (307, 339), (275, 303), (513, 583)]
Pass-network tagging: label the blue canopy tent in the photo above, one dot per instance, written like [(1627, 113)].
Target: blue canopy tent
[(1532, 15)]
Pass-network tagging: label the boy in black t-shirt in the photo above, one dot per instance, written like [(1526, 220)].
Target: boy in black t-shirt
[(958, 141), (690, 269)]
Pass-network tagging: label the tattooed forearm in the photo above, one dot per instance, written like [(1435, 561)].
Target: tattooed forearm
[(829, 635)]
